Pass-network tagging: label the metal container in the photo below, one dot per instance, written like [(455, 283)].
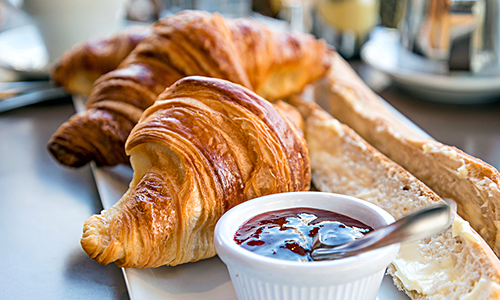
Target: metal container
[(465, 33)]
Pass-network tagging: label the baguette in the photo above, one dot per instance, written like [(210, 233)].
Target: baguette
[(455, 264), (450, 172)]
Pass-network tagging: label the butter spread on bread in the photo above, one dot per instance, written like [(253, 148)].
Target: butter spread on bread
[(450, 172), (456, 264)]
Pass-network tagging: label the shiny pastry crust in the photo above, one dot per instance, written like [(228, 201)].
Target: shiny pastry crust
[(205, 146), (243, 51), (451, 173), (79, 67)]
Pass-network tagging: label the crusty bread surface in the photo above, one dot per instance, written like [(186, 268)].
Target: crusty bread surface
[(456, 264), (450, 172)]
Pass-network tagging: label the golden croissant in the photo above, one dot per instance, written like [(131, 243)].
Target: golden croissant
[(244, 51), (205, 146), (80, 66)]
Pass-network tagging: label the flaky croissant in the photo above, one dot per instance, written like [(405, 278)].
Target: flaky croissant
[(205, 146), (243, 51), (80, 66)]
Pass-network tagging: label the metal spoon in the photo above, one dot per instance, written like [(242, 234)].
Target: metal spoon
[(418, 225)]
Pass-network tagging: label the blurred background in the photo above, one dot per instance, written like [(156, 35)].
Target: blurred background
[(437, 50), (432, 55), (435, 61), (442, 55)]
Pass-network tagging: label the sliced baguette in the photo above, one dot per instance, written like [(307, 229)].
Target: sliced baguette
[(456, 264), (451, 173)]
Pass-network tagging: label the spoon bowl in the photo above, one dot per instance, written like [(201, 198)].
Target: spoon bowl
[(418, 225)]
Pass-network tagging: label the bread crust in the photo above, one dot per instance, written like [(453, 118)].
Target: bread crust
[(450, 172), (342, 162)]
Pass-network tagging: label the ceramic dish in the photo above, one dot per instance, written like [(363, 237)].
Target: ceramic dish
[(258, 277)]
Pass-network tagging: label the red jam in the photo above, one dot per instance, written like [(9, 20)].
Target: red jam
[(288, 234)]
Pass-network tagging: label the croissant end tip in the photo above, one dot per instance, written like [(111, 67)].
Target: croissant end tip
[(64, 156)]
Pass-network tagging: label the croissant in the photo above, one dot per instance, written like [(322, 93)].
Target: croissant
[(205, 146), (244, 51), (79, 67)]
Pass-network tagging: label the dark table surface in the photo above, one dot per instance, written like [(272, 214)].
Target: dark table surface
[(44, 205)]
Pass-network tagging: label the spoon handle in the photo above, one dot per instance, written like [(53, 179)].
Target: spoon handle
[(418, 225)]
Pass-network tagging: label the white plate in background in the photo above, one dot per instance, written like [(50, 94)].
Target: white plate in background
[(426, 79), (22, 50)]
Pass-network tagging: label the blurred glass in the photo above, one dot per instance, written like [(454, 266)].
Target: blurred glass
[(391, 13), (297, 13), (346, 24), (463, 33), (228, 8), (65, 23), (145, 11), (11, 16)]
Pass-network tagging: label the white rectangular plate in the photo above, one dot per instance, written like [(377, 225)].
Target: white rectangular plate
[(207, 279)]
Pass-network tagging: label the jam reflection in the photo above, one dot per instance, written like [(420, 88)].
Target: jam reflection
[(288, 234)]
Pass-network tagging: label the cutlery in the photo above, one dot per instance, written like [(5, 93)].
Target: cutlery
[(418, 225)]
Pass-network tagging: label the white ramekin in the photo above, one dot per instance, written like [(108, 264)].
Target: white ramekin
[(256, 277)]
